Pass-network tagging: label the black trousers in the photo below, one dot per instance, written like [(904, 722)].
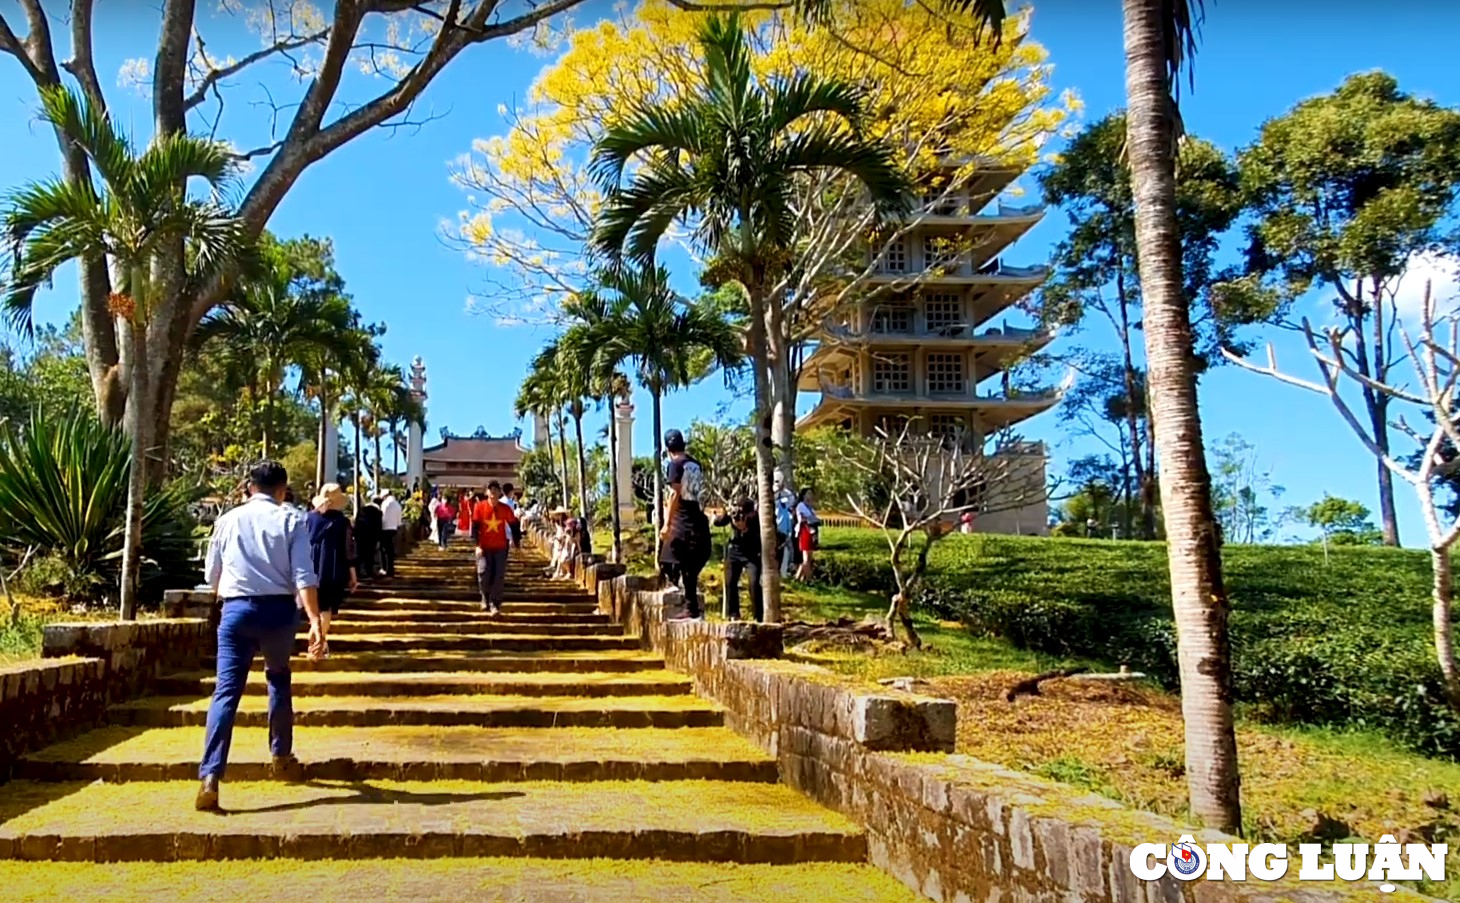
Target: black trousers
[(734, 567), (687, 578), (387, 550), (366, 545)]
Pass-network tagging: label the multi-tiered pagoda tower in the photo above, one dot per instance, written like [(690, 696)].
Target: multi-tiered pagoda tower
[(931, 343)]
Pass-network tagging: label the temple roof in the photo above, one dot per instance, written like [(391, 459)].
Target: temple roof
[(496, 449)]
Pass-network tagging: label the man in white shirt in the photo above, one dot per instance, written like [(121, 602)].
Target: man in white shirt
[(509, 498), (390, 516)]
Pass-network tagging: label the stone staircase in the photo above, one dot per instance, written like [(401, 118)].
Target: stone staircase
[(525, 744)]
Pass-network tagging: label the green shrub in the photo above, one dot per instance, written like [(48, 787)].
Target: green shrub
[(1342, 640), (55, 576), (63, 492)]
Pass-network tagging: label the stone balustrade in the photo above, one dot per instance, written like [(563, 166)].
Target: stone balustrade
[(87, 667)]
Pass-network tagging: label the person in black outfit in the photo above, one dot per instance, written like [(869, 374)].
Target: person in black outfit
[(330, 542), (684, 548), (742, 555), (368, 527)]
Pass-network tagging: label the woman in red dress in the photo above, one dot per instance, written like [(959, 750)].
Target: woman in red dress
[(463, 516)]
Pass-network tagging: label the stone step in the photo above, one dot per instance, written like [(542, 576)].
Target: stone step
[(582, 606), (468, 593), (415, 753), (400, 642), (448, 881), (705, 821), (511, 615), (479, 661), (500, 626), (546, 683), (673, 711)]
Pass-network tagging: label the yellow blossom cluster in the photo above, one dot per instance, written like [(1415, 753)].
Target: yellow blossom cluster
[(936, 84)]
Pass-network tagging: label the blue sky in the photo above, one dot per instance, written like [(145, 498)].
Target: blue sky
[(382, 197)]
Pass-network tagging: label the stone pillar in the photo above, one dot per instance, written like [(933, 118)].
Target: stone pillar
[(416, 443), (331, 449), (628, 505)]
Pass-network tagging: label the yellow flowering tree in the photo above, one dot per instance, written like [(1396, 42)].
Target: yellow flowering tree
[(935, 85), (933, 80)]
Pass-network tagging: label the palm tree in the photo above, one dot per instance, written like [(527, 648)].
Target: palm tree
[(537, 396), (670, 342), (586, 311), (728, 158), (322, 370), (139, 214), (270, 328), (570, 381), (1160, 36), (1160, 41), (363, 381), (385, 396)]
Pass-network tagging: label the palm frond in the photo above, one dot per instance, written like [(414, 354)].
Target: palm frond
[(670, 130), (806, 94), (92, 129)]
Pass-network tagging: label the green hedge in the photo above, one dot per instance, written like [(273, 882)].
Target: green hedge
[(1344, 642)]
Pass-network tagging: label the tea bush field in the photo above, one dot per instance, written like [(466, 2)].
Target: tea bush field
[(1340, 640)]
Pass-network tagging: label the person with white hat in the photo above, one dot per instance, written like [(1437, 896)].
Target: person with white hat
[(332, 545)]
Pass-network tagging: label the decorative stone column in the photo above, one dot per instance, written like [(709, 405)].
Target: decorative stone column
[(331, 449), (415, 446), (628, 505)]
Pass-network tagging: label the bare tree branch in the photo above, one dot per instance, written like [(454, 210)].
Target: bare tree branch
[(216, 75), (82, 65)]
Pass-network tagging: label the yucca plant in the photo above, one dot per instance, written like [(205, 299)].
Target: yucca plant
[(63, 492)]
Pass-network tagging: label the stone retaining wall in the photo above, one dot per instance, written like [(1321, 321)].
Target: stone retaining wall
[(952, 828), (86, 668)]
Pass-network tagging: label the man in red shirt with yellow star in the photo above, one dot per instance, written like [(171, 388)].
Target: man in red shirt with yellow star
[(494, 522)]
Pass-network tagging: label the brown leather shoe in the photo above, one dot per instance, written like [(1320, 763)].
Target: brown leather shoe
[(288, 768), (207, 799)]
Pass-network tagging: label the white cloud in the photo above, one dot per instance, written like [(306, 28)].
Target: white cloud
[(1441, 273)]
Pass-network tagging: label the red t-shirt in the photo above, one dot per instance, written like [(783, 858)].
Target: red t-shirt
[(492, 520)]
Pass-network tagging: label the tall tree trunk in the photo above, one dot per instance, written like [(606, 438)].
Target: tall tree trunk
[(613, 458), (765, 464), (582, 461), (1388, 517), (563, 454), (139, 423), (1133, 390), (783, 393), (268, 437), (320, 466), (1444, 631), (359, 467), (378, 456), (395, 447), (552, 455), (1199, 598), (656, 407)]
